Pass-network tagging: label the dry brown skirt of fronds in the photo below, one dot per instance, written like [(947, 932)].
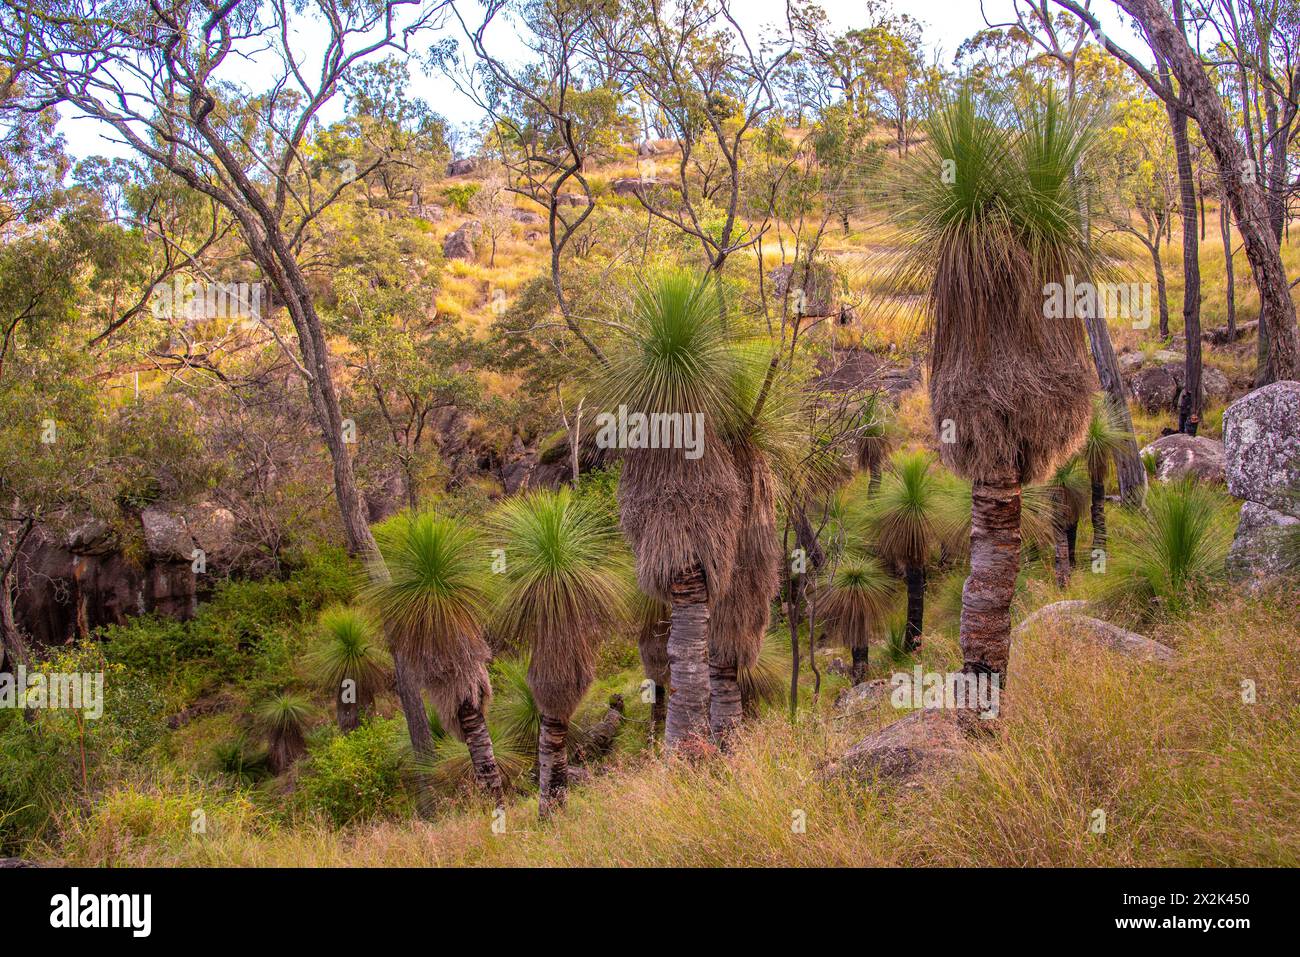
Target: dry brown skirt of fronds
[(739, 618), (1010, 388), (678, 512)]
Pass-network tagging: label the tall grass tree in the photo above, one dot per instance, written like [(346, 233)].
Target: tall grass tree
[(1104, 439), (679, 513), (992, 214)]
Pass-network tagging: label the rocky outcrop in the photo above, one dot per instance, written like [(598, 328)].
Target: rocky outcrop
[(1157, 385), (70, 584), (925, 740), (429, 211), (525, 216), (1261, 436), (459, 244), (633, 185), (463, 167), (1154, 388), (656, 148), (1181, 456), (1071, 618), (859, 697)]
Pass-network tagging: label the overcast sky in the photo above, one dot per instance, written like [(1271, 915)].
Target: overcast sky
[(946, 24)]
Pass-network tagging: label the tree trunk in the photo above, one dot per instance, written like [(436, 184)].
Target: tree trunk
[(417, 719), (658, 713), (599, 739), (1225, 228), (486, 772), (914, 576), (1061, 556), (994, 563), (873, 484), (688, 660), (1099, 515), (552, 765), (1162, 292), (858, 672), (1189, 406), (13, 647), (348, 714), (1071, 540), (1249, 207), (725, 710), (1128, 463)]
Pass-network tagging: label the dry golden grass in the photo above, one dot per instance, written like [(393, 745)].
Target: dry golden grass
[(1186, 772)]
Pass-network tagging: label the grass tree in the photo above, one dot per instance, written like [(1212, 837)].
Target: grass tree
[(856, 604), (875, 437), (350, 662), (434, 599), (907, 520), (765, 438), (992, 214), (565, 586), (1104, 438), (678, 505), (1068, 490), (283, 719)]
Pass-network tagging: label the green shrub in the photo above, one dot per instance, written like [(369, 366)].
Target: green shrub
[(358, 776), (248, 632)]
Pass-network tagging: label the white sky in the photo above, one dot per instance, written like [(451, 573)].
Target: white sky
[(946, 24)]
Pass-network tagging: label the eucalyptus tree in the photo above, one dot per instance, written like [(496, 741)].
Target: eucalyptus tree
[(565, 586), (1246, 192), (168, 79)]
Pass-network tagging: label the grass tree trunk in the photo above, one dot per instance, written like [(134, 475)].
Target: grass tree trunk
[(658, 713), (858, 672), (688, 660), (914, 576), (552, 765), (1061, 556), (1098, 515), (1071, 540), (417, 719), (725, 709), (486, 772), (994, 563), (348, 713)]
